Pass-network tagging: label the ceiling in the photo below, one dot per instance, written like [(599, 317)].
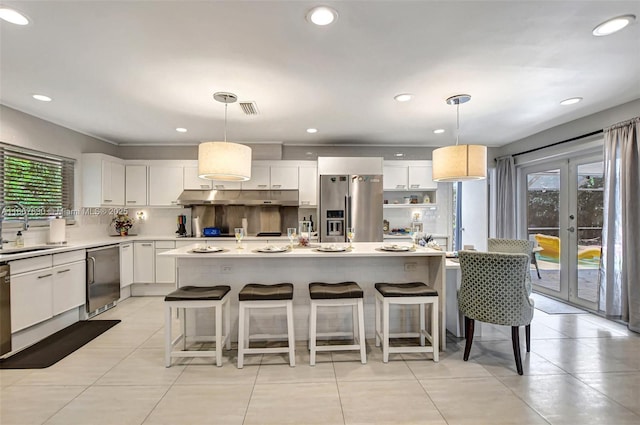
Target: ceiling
[(130, 72)]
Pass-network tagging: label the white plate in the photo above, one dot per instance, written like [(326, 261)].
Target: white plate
[(331, 249), (209, 249), (272, 249), (396, 248)]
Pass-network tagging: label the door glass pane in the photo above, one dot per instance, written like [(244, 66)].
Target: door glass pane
[(589, 228), (543, 225)]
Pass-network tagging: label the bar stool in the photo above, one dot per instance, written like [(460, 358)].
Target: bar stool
[(216, 297), (334, 295), (406, 293), (255, 295)]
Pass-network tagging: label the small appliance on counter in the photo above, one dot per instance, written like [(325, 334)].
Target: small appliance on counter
[(182, 226), (211, 231)]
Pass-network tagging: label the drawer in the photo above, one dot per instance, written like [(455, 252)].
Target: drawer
[(69, 257), (165, 244), (30, 264)]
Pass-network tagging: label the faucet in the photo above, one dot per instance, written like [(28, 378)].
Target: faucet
[(25, 218)]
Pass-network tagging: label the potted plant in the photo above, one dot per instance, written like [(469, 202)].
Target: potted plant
[(122, 223)]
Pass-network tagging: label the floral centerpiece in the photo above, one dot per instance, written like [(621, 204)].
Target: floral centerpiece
[(122, 223)]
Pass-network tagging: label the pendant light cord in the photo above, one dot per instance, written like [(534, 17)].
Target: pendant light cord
[(457, 122), (225, 122)]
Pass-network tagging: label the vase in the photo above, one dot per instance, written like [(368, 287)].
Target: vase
[(123, 232)]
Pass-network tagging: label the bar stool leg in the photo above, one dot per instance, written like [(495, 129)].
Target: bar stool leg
[(422, 324), (385, 331), (167, 336), (354, 319), (241, 333), (292, 338), (183, 325), (363, 347), (219, 335), (377, 321), (435, 331), (312, 334), (227, 326)]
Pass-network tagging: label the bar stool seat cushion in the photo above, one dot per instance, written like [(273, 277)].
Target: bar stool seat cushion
[(198, 293), (332, 291), (259, 292), (411, 289)]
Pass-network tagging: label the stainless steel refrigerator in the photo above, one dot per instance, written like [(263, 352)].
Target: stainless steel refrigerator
[(350, 201)]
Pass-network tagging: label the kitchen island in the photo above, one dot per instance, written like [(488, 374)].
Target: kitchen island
[(365, 264)]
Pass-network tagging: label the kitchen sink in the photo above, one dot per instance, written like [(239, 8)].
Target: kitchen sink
[(7, 251)]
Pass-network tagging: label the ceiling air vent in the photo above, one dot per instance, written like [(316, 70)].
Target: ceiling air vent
[(249, 108)]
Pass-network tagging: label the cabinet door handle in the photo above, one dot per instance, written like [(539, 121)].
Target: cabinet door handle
[(400, 186), (276, 185), (415, 186), (219, 186), (262, 185), (174, 202), (45, 275), (146, 244), (131, 202), (127, 246), (64, 271), (204, 186), (107, 200)]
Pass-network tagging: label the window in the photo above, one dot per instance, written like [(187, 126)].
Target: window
[(42, 183)]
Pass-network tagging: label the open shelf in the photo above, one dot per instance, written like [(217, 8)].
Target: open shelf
[(409, 205)]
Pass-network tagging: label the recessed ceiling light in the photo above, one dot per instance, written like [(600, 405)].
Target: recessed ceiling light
[(571, 101), (312, 130), (181, 130), (399, 154), (439, 131), (322, 15), (404, 97), (42, 98), (612, 25), (13, 16)]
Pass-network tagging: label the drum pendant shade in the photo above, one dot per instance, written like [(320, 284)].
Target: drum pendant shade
[(460, 163)]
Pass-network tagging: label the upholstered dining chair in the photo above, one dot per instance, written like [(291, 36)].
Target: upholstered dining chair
[(515, 246), (494, 290)]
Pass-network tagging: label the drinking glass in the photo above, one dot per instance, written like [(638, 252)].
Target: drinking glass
[(351, 234), (413, 233), (291, 233), (239, 232)]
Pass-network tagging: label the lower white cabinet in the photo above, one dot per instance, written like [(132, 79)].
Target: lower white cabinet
[(165, 266), (69, 289), (126, 264), (31, 298), (143, 262)]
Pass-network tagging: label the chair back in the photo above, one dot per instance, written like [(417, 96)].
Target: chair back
[(494, 288), (513, 246)]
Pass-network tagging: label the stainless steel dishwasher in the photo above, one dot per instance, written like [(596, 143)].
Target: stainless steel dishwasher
[(5, 309), (103, 277)]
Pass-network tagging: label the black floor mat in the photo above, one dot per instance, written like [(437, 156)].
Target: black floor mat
[(57, 346)]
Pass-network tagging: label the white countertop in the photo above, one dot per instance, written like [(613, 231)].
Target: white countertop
[(360, 249)]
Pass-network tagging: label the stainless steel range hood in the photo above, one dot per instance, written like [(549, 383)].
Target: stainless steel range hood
[(239, 197)]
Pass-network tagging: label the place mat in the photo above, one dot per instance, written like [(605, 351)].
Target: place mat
[(56, 347), (273, 249), (208, 250), (396, 248), (332, 249)]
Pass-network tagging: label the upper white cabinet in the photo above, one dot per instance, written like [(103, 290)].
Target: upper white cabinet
[(260, 177), (308, 184), (102, 180), (408, 175), (192, 181), (420, 177), (280, 175), (135, 185), (165, 184)]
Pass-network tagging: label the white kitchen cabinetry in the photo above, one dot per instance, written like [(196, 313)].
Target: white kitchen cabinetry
[(193, 182), (308, 185), (165, 184), (395, 177), (126, 264), (143, 262), (135, 185), (69, 289), (31, 298), (420, 178), (102, 180), (260, 178), (284, 177), (165, 266)]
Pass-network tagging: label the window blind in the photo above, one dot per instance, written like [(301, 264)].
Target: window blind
[(43, 183)]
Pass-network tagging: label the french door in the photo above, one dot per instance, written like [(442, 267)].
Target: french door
[(562, 211)]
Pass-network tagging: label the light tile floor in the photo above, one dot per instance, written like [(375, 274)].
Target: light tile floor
[(582, 370)]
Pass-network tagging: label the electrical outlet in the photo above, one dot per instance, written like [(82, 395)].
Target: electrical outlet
[(410, 267), (225, 269)]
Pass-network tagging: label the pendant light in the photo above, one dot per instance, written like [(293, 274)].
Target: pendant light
[(459, 162), (224, 160)]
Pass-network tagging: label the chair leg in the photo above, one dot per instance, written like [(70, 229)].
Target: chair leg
[(227, 319), (219, 339), (312, 333), (377, 321), (241, 339), (361, 335), (527, 331), (385, 331), (422, 324), (290, 331), (167, 336), (435, 332), (468, 333), (534, 260), (515, 338), (182, 312)]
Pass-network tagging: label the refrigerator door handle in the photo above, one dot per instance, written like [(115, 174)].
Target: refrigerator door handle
[(91, 281), (349, 218)]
